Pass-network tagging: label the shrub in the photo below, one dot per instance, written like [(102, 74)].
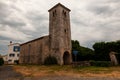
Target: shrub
[(100, 63), (50, 60), (1, 61)]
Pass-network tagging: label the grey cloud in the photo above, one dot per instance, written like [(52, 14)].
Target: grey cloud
[(41, 30), (89, 43), (3, 49), (102, 10), (108, 32), (113, 1), (90, 22), (36, 15), (37, 18), (5, 38), (40, 22), (12, 23), (5, 11), (79, 22)]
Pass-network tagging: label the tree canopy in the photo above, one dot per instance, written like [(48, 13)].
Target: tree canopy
[(83, 52), (102, 49), (100, 53)]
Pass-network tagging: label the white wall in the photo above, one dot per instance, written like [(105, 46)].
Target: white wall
[(11, 51)]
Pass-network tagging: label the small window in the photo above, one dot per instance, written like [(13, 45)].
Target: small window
[(64, 13), (16, 48), (65, 30), (17, 55), (54, 13), (11, 55), (9, 60)]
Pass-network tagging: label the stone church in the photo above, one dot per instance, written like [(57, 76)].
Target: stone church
[(57, 43)]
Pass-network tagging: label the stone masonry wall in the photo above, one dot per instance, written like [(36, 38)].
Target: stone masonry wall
[(34, 52)]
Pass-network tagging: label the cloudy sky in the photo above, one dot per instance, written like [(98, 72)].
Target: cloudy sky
[(91, 20)]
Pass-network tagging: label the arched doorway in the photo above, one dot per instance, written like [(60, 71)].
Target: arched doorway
[(66, 58)]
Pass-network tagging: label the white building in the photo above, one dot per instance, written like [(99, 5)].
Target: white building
[(13, 53)]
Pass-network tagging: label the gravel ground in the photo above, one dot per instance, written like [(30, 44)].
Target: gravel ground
[(7, 73)]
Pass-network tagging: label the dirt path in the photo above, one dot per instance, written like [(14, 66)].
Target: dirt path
[(70, 78), (7, 73)]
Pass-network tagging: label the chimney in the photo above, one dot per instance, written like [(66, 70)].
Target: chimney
[(10, 42)]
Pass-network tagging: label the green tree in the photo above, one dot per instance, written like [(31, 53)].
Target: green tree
[(83, 52), (75, 45), (98, 47), (102, 49)]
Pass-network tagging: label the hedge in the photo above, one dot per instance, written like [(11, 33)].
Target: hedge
[(50, 60), (100, 63)]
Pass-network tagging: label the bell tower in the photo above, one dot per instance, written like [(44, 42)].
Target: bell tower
[(60, 34)]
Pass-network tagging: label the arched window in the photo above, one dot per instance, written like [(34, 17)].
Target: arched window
[(65, 30), (64, 13), (54, 13)]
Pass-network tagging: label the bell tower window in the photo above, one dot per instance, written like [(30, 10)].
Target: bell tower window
[(64, 13), (65, 30), (54, 13)]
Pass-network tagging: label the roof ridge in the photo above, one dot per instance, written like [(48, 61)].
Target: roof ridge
[(58, 5)]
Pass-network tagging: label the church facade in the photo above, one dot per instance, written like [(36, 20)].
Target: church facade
[(56, 44)]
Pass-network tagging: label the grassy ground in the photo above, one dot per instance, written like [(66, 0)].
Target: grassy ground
[(37, 71)]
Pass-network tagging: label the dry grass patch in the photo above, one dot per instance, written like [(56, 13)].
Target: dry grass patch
[(37, 71)]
